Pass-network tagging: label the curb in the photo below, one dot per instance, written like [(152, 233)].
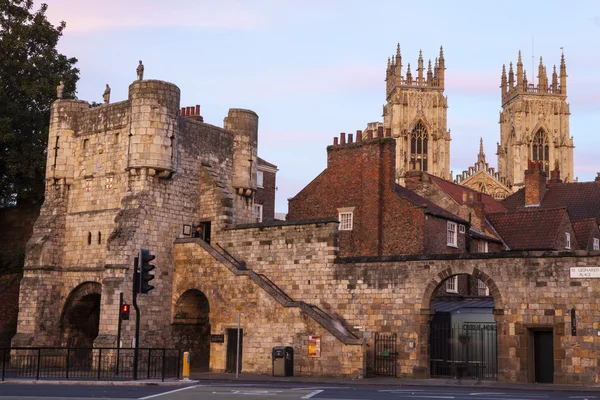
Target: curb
[(100, 383)]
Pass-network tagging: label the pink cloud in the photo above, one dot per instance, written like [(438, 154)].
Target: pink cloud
[(84, 16)]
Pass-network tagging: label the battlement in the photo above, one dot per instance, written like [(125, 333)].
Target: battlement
[(511, 88), (433, 79)]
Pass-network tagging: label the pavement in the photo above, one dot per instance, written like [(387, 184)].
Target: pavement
[(199, 377)]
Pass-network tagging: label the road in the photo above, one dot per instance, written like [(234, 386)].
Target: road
[(277, 391)]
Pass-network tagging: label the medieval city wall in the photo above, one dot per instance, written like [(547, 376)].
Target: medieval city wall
[(393, 294), (265, 322)]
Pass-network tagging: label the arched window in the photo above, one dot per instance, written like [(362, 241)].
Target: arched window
[(89, 238), (418, 148), (540, 150)]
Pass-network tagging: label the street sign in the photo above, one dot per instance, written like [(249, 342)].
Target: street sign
[(239, 308)]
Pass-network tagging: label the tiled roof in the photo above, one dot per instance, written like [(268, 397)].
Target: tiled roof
[(456, 192), (583, 230), (430, 207), (529, 230), (266, 163), (581, 199)]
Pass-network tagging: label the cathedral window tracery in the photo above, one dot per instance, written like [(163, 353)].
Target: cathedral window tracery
[(540, 149), (418, 148)]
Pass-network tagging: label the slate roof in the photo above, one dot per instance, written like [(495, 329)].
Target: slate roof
[(536, 229), (430, 207), (456, 192), (474, 306), (266, 163), (581, 199)]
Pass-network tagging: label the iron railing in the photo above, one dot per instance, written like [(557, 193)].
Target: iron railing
[(98, 363), (468, 350)]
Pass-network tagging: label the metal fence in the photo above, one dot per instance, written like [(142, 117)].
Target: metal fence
[(469, 350), (88, 363), (385, 354)]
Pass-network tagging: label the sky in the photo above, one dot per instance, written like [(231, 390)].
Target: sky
[(314, 68)]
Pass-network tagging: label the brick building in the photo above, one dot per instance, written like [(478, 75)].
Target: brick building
[(377, 216)]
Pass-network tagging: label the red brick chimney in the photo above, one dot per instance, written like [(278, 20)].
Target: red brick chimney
[(555, 174), (535, 184), (413, 179)]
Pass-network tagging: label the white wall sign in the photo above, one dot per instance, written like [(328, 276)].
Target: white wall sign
[(585, 272)]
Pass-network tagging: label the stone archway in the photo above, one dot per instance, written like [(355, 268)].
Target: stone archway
[(191, 327), (452, 326), (80, 317)]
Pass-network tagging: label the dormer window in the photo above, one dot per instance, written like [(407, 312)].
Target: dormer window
[(567, 240)]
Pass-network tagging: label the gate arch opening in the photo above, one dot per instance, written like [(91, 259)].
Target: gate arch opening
[(461, 331), (191, 323), (80, 318)]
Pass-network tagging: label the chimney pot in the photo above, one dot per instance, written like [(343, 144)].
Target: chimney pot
[(197, 109), (369, 134), (358, 136), (187, 111), (183, 111), (350, 138), (343, 138), (335, 141), (380, 131)]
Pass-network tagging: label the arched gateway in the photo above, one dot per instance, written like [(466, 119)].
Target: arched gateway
[(192, 327), (80, 317), (459, 327)]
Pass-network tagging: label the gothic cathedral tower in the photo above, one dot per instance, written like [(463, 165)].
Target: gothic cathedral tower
[(415, 114), (534, 124)]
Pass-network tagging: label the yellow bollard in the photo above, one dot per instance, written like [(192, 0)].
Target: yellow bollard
[(186, 366)]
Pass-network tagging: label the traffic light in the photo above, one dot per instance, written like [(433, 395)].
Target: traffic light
[(145, 269), (124, 312)]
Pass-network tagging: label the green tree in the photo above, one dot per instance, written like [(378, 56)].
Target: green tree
[(30, 70)]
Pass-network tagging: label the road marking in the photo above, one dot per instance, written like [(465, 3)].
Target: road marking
[(400, 390), (252, 392), (308, 396), (169, 392), (320, 387)]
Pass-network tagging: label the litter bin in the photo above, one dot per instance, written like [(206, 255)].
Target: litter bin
[(283, 361)]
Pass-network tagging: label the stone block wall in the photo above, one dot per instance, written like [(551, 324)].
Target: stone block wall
[(393, 294), (265, 321)]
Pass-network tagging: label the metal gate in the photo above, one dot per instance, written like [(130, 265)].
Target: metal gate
[(385, 354), (468, 350)]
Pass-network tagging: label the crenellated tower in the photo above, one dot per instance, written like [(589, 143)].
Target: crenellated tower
[(415, 114), (534, 123)]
